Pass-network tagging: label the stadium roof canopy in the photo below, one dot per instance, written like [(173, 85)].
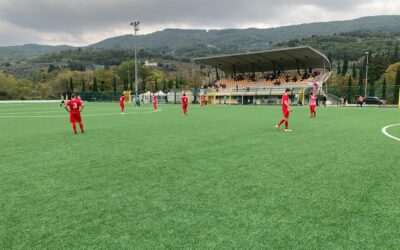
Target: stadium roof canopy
[(296, 58)]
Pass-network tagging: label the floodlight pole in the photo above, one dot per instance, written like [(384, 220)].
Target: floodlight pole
[(366, 73), (129, 81), (136, 29)]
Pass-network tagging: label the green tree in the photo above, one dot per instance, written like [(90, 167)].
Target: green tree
[(71, 84), (345, 65), (122, 72), (165, 86), (354, 72), (360, 82), (397, 87), (143, 87), (125, 86), (144, 73), (329, 56), (131, 84), (395, 57), (170, 84), (83, 85), (384, 89), (349, 89), (378, 66), (371, 91), (339, 69), (94, 84), (115, 84)]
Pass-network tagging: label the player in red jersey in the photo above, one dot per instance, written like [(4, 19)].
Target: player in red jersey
[(74, 107), (313, 104), (286, 111), (185, 102), (122, 103), (155, 102)]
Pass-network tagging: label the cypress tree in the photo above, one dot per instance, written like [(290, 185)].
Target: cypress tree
[(165, 86), (354, 71), (345, 65), (377, 67), (143, 84), (83, 85), (339, 69), (360, 82), (95, 84), (372, 88), (71, 84), (349, 89), (115, 84), (384, 89), (397, 87), (177, 83)]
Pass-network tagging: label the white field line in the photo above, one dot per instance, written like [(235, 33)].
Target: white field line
[(60, 110), (384, 131), (66, 115)]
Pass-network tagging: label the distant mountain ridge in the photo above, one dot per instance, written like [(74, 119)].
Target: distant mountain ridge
[(248, 38), (241, 39), (28, 50)]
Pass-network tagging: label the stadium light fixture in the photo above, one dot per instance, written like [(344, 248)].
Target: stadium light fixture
[(136, 29), (366, 73)]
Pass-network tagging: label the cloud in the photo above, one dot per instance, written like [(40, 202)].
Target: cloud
[(83, 22)]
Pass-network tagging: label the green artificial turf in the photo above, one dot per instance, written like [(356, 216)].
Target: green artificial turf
[(222, 178)]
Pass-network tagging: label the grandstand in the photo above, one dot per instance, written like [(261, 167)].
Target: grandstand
[(261, 77)]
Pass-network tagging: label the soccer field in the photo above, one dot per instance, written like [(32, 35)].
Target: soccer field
[(221, 178)]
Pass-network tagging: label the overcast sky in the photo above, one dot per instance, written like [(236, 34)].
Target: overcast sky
[(82, 22)]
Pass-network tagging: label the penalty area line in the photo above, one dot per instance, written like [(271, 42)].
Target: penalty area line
[(384, 131)]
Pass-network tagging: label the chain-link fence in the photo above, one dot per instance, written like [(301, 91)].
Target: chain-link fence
[(259, 96), (390, 93)]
